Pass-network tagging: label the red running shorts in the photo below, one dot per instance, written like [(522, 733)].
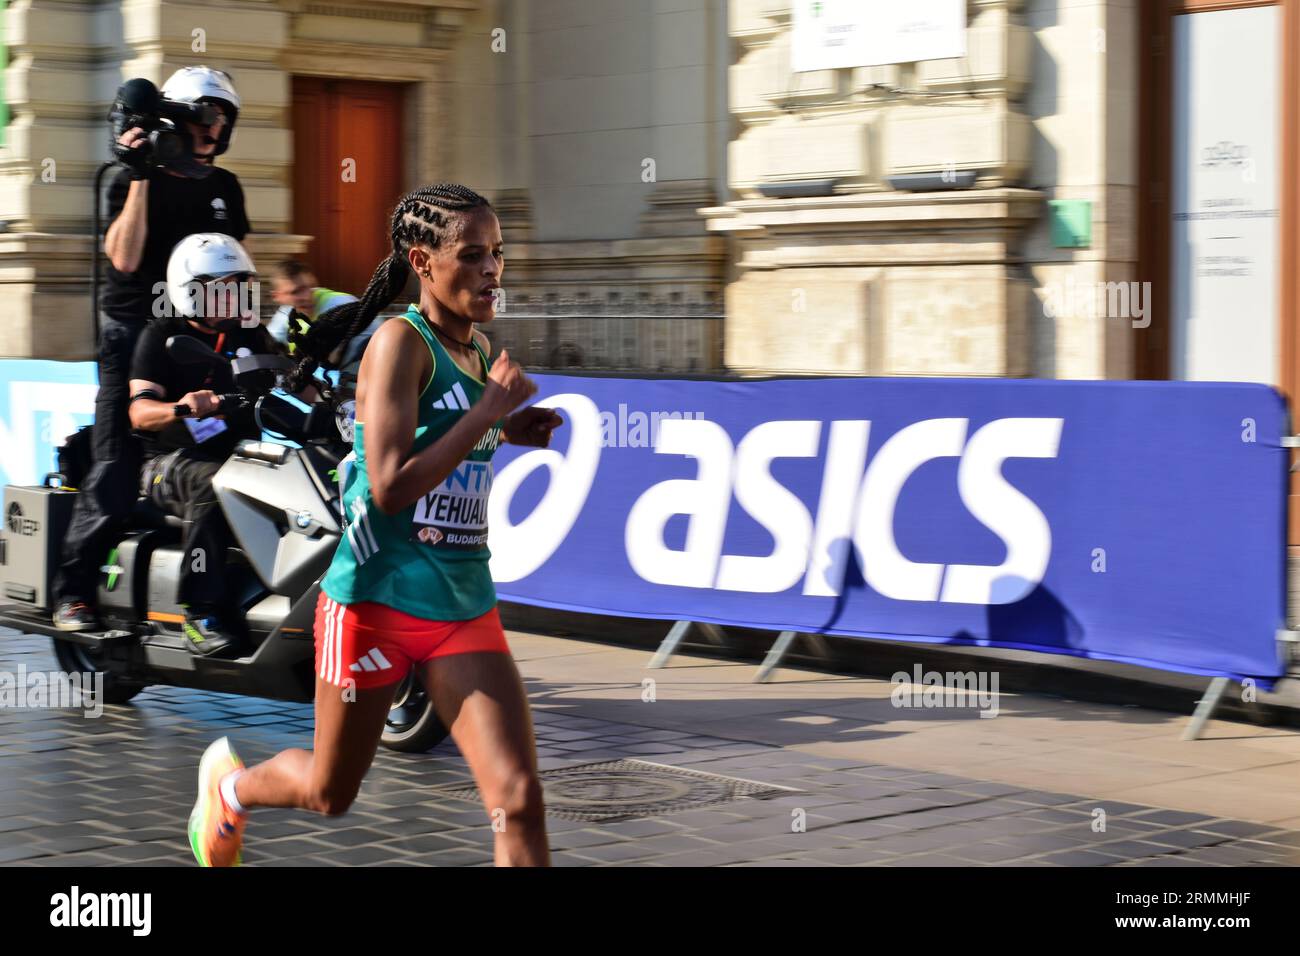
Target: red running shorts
[(376, 645)]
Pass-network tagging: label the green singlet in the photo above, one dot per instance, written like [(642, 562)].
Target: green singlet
[(430, 559)]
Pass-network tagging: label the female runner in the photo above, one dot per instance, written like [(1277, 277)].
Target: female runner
[(409, 585)]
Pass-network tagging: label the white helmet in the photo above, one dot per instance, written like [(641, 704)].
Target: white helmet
[(198, 258), (190, 84)]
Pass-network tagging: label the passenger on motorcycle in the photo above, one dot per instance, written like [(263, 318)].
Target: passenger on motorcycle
[(187, 435)]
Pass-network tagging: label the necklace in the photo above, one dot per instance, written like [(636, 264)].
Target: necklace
[(433, 325)]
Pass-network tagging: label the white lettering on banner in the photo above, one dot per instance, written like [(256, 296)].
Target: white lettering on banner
[(20, 437), (854, 508), (706, 498), (883, 565), (520, 549), (774, 506), (1005, 511), (846, 459)]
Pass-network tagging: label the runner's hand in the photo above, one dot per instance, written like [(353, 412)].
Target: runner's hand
[(507, 386), (532, 426)]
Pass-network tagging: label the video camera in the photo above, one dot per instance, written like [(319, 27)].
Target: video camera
[(139, 103)]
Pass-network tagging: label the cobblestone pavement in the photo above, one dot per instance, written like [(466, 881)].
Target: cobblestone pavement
[(117, 791)]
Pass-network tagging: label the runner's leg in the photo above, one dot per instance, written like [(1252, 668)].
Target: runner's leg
[(325, 779), (481, 698)]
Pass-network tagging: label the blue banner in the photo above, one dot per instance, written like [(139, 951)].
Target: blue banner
[(41, 404), (1140, 522)]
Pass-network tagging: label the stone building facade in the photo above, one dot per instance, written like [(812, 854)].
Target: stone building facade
[(866, 277), (552, 109), (673, 196)]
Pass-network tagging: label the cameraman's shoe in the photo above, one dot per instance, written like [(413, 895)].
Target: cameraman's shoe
[(203, 633), (74, 616)]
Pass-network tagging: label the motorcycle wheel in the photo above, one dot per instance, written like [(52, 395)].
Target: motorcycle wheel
[(74, 658), (412, 726)]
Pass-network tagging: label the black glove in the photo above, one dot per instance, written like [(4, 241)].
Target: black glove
[(134, 158)]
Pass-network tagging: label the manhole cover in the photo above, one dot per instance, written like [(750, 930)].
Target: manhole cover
[(626, 789)]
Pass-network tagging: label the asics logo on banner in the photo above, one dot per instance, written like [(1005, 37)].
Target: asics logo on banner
[(374, 660), (520, 549), (853, 507)]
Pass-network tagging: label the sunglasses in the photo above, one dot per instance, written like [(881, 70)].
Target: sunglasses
[(233, 277)]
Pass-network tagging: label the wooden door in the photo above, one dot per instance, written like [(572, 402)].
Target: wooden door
[(347, 175)]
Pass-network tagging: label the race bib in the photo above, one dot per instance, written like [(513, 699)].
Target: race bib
[(455, 514), (201, 429)]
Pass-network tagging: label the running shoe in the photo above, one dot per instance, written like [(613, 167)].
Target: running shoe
[(203, 632), (216, 831), (74, 616)]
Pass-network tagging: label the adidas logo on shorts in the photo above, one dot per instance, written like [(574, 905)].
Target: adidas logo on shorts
[(373, 661)]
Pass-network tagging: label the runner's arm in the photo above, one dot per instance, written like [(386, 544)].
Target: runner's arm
[(391, 370)]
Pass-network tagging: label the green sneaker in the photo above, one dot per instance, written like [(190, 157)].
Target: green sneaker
[(202, 631), (216, 832)]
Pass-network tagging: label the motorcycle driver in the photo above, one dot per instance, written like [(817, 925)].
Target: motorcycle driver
[(208, 278)]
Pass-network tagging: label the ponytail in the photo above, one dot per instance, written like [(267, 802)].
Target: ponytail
[(419, 218), (337, 326)]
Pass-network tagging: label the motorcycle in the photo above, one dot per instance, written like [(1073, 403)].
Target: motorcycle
[(284, 507)]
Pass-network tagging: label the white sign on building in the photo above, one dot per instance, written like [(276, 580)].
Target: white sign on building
[(1225, 196), (830, 34)]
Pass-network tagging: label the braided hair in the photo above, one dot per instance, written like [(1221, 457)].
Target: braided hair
[(420, 217)]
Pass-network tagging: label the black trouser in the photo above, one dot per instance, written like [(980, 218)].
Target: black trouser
[(110, 487), (181, 484)]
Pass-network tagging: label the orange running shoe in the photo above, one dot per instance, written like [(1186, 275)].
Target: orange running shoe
[(216, 831)]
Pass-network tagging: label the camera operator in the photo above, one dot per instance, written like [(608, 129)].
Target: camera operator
[(151, 208)]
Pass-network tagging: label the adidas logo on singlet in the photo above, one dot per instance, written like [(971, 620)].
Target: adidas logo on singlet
[(453, 398), (372, 661)]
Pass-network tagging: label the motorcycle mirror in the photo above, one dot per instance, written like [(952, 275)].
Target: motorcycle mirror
[(188, 350), (275, 414)]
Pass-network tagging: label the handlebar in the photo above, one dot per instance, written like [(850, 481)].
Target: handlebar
[(228, 402), (275, 413)]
